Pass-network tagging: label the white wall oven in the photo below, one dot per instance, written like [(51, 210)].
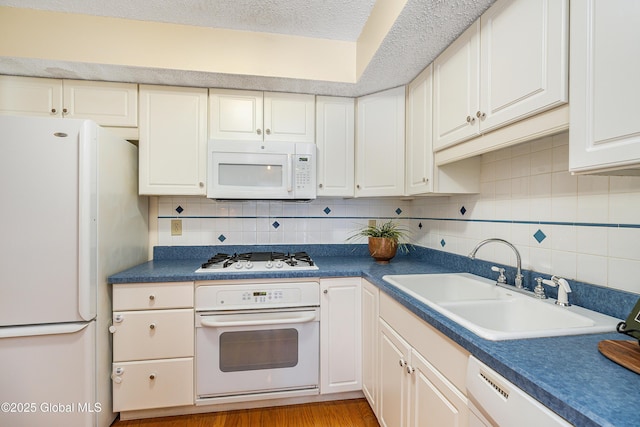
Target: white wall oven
[(256, 339)]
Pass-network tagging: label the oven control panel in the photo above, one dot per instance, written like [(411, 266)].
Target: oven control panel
[(264, 296), (245, 296)]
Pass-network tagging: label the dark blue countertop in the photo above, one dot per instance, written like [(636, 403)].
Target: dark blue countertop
[(567, 374)]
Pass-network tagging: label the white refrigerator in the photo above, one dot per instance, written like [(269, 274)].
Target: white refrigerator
[(70, 216)]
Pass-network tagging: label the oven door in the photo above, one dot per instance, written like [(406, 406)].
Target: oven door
[(252, 352)]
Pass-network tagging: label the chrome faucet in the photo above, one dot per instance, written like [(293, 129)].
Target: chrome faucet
[(518, 281)]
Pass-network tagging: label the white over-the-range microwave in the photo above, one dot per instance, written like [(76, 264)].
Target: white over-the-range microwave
[(247, 170)]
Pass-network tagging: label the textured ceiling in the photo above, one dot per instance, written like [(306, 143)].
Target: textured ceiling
[(421, 32)]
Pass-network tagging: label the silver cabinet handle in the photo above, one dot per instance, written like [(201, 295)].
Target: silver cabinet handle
[(319, 185), (480, 115), (268, 131), (201, 184), (152, 376), (152, 326), (152, 297), (259, 131), (358, 186), (64, 111), (326, 291), (471, 120), (402, 363), (53, 111), (410, 369)]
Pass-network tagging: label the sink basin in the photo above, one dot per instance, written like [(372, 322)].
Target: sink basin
[(496, 313)]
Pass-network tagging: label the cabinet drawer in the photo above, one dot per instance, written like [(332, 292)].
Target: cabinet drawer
[(153, 334), (149, 296), (152, 384)]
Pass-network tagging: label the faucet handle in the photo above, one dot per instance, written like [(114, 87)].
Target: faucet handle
[(501, 278), (539, 289)]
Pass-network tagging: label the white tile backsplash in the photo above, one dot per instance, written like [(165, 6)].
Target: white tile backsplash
[(524, 189), (579, 216)]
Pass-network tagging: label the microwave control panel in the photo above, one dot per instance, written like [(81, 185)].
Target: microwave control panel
[(304, 176)]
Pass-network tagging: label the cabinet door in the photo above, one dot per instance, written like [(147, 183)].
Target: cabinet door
[(524, 60), (173, 140), (29, 96), (419, 157), (394, 385), (152, 334), (434, 402), (152, 384), (340, 335), (380, 144), (235, 114), (370, 344), (335, 139), (108, 104), (456, 90), (289, 117), (604, 127)]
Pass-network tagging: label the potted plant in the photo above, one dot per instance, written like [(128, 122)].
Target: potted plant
[(384, 240)]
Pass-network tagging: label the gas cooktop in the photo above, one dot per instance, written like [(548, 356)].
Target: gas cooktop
[(258, 262)]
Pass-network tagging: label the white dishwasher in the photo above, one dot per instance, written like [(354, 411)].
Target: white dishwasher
[(494, 401)]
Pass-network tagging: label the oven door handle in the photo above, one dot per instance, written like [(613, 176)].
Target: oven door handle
[(256, 320)]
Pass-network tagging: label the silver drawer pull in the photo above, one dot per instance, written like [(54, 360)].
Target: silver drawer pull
[(152, 326)]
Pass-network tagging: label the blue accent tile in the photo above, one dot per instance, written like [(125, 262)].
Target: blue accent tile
[(327, 210), (398, 211), (463, 210), (442, 243), (179, 209), (222, 238), (539, 236), (276, 224)]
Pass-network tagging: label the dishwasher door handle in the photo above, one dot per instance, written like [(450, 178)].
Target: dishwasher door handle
[(263, 319)]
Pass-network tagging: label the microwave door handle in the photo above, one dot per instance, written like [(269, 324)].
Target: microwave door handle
[(299, 318), (291, 172)]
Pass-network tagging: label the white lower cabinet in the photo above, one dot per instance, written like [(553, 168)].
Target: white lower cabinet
[(421, 372), (370, 295), (153, 384), (340, 335), (153, 346), (395, 354)]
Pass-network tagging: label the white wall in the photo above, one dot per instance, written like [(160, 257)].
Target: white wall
[(591, 224)]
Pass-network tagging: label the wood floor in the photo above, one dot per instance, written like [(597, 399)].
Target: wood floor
[(342, 413)]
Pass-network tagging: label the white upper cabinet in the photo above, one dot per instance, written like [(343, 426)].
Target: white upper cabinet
[(605, 89), (419, 155), (173, 140), (335, 136), (523, 59), (261, 116), (380, 144), (289, 117), (422, 175), (30, 96), (106, 103), (456, 81), (509, 65)]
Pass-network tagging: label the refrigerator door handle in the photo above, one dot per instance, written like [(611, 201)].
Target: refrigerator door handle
[(87, 226), (36, 330)]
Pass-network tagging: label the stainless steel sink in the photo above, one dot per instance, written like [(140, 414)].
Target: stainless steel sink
[(495, 313)]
